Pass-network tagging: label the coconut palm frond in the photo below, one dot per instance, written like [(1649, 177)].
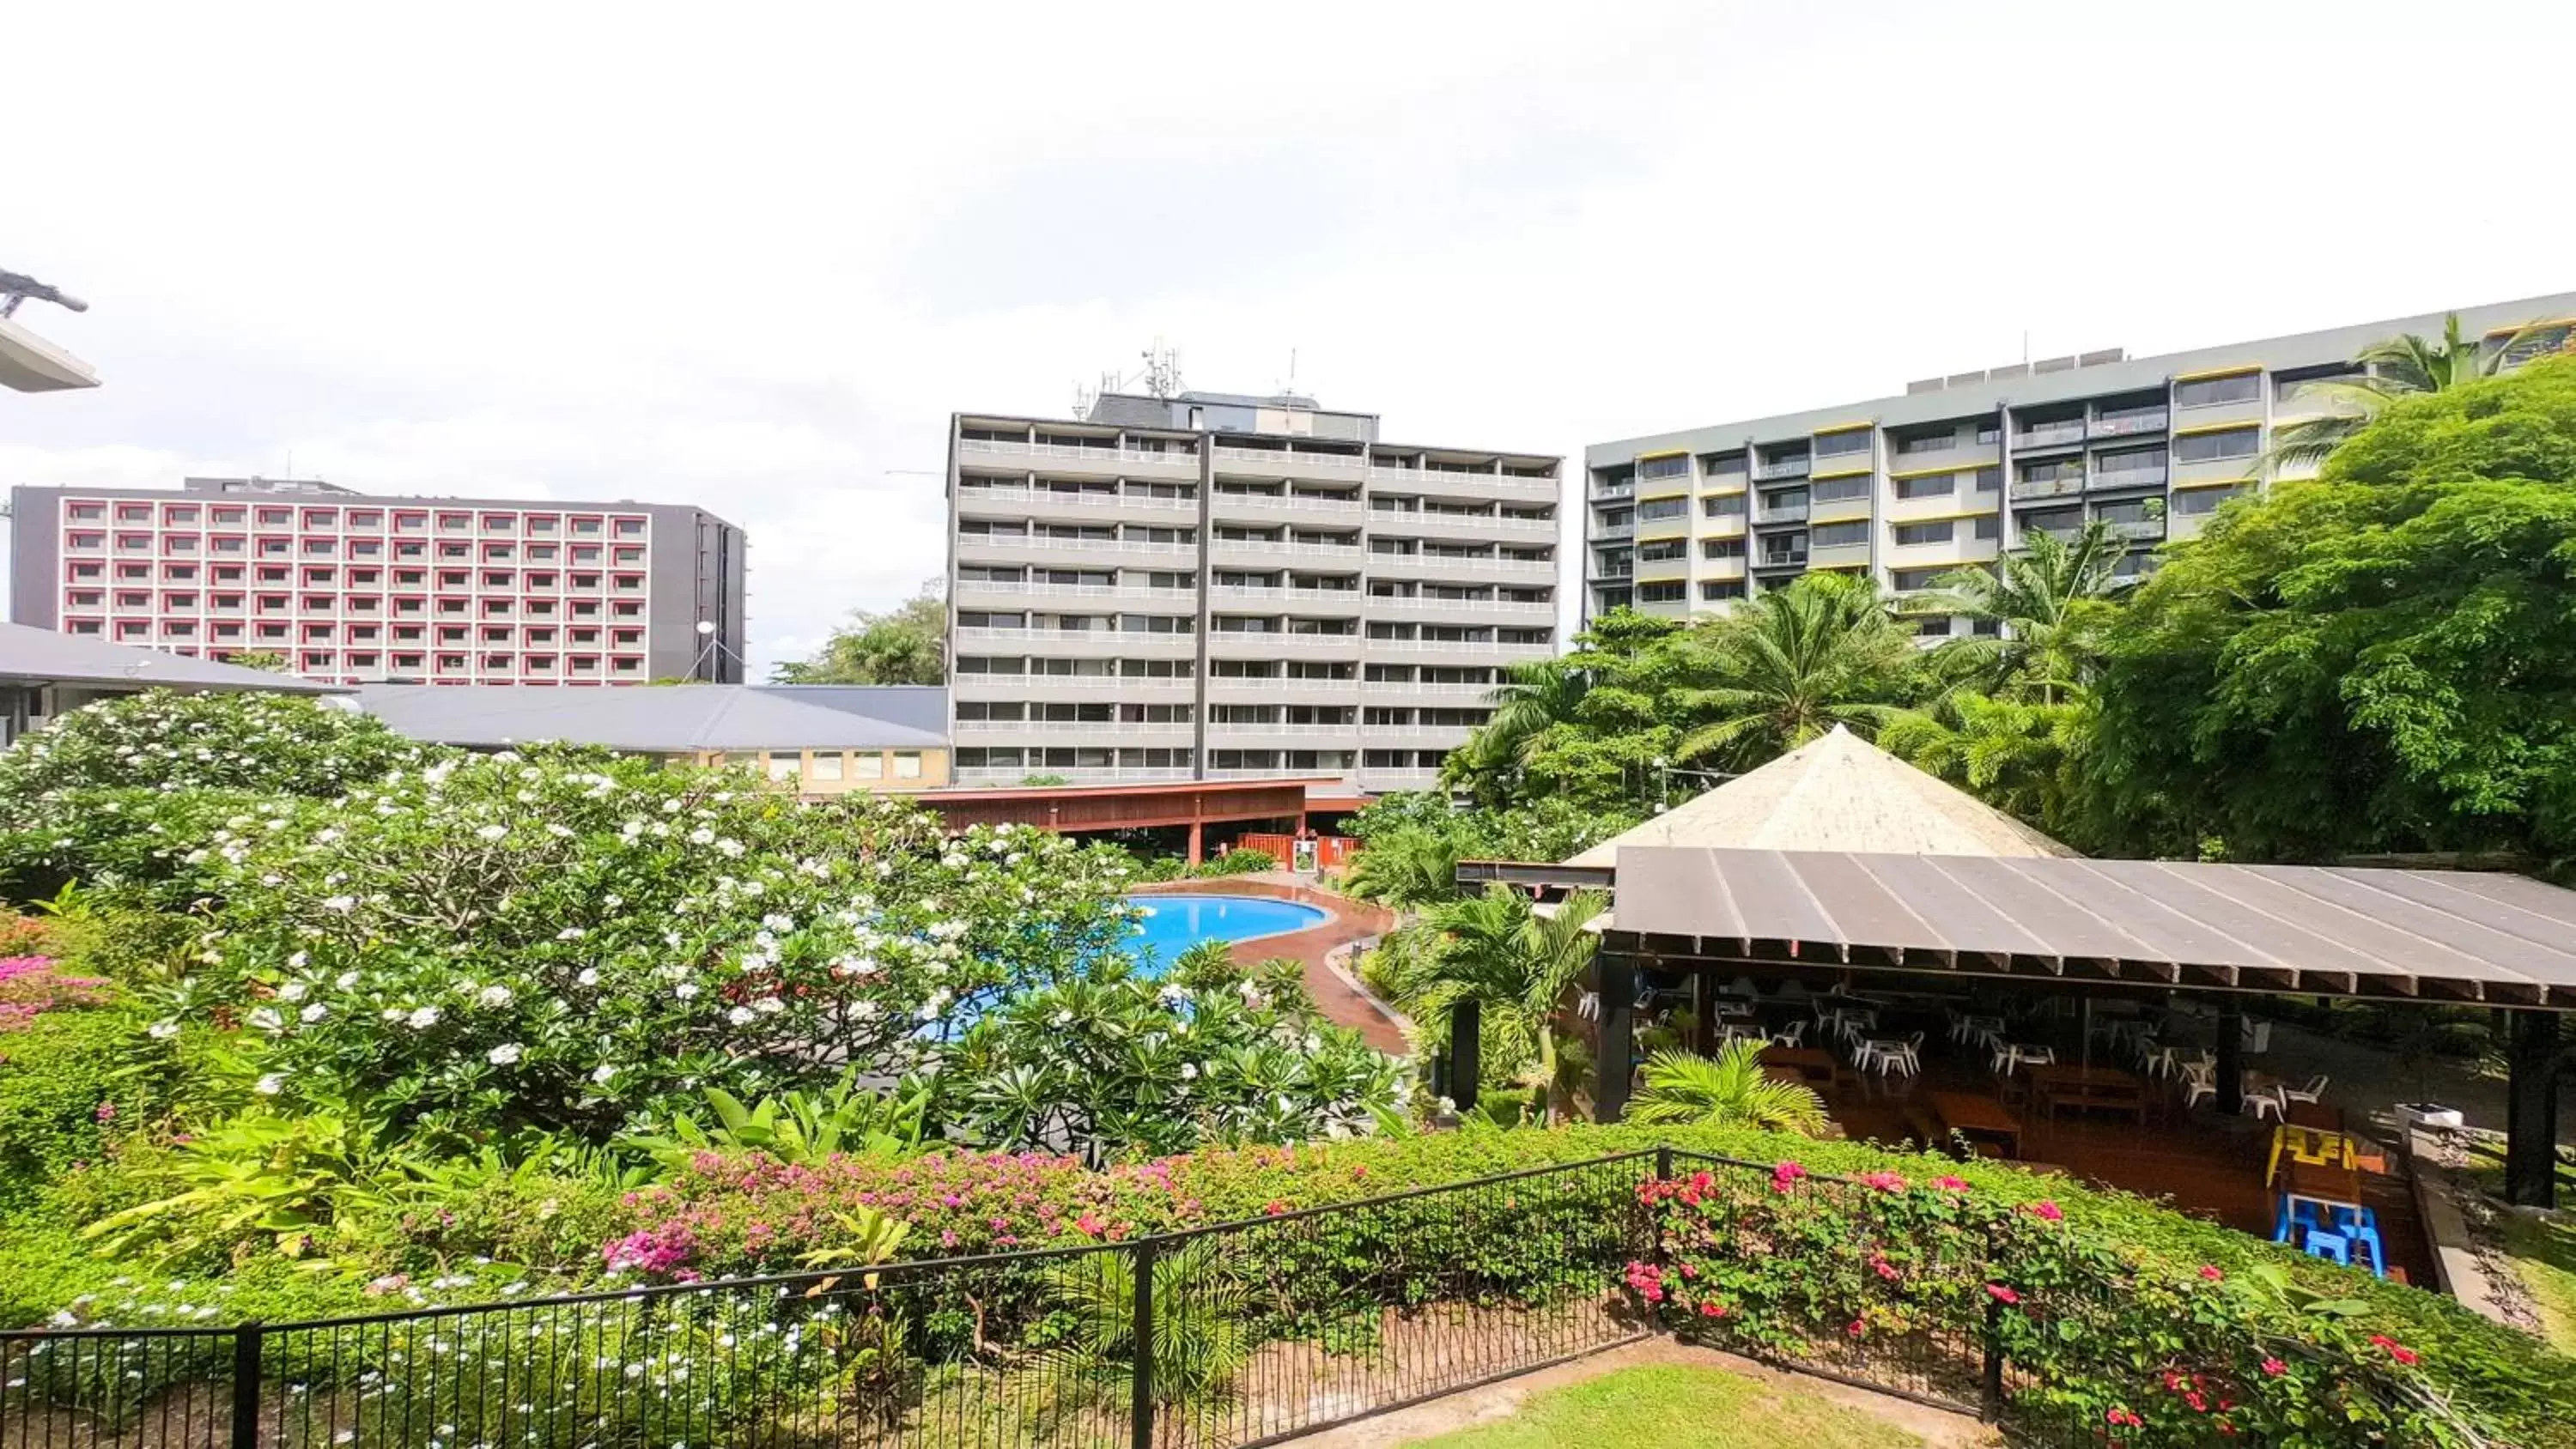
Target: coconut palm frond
[(1728, 1090)]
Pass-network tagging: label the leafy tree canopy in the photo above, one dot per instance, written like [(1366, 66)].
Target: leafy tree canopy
[(907, 644), (2383, 659)]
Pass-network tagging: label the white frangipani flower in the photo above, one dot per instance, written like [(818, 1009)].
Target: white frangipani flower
[(506, 1054)]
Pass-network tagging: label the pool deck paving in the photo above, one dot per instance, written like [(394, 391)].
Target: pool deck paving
[(1323, 950)]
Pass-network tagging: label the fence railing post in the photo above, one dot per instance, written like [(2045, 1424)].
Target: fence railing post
[(1990, 1381), (246, 1386), (1140, 1409)]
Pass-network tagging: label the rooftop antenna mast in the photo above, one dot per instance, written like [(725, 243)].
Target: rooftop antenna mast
[(1160, 377)]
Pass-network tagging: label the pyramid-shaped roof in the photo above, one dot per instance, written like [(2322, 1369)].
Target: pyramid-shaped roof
[(1837, 793)]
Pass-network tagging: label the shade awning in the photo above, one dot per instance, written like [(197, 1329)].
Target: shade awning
[(2451, 935)]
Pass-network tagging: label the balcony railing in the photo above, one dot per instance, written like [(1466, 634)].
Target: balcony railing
[(1477, 606), (1273, 457), (1076, 545), (2061, 486), (1261, 503), (1071, 774), (1784, 468), (2129, 478), (1782, 559), (2135, 529), (2122, 424), (1781, 513), (1011, 494), (1613, 492), (1015, 448), (2050, 435)]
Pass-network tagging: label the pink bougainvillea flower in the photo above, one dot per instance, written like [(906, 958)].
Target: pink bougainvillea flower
[(1785, 1176), (2396, 1350), (1274, 1207), (2274, 1368), (1949, 1183), (1089, 1225), (2048, 1212), (2210, 1272), (1856, 1328), (1712, 1309), (2002, 1294)]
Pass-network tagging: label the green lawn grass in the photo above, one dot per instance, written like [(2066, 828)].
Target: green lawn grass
[(1706, 1408), (2544, 1257)]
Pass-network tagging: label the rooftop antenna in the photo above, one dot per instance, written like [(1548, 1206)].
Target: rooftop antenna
[(17, 287)]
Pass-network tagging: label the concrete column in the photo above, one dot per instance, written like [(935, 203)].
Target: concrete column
[(1196, 844), (2531, 1109), (2231, 1057), (1615, 980), (1466, 1062)]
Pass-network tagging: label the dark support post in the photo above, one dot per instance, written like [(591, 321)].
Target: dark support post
[(1992, 1378), (2531, 1109), (1140, 1405), (2231, 1057), (1195, 843), (1466, 1036), (1703, 1014), (246, 1387), (1615, 979)]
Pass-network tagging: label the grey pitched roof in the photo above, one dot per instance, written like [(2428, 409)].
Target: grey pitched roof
[(29, 655), (676, 719), (914, 706), (2456, 935)]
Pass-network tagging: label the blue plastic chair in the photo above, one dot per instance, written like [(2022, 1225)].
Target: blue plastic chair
[(2323, 1244), (2361, 1225)]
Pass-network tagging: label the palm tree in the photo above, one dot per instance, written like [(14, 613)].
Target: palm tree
[(2022, 756), (1200, 1345), (1406, 869), (1515, 963), (1730, 1090), (2046, 601), (1793, 665), (1532, 696), (2400, 366)]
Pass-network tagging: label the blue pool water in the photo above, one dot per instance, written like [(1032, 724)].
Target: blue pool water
[(1173, 924)]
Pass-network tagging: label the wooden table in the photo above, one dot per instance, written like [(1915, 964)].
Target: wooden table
[(1808, 1064), (2082, 1087), (1973, 1116), (2329, 1184), (2316, 1114)]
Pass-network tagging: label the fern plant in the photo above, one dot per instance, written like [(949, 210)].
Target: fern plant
[(799, 1127)]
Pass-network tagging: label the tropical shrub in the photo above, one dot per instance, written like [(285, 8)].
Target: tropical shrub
[(565, 942), (61, 1080), (272, 744), (1111, 1065), (1728, 1090), (2101, 1336)]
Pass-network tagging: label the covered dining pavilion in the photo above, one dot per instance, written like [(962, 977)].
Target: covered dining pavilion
[(2007, 931)]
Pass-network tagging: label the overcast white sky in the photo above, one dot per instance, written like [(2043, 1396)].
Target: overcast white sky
[(750, 256)]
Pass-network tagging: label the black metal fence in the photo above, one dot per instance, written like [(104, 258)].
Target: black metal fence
[(1252, 1332)]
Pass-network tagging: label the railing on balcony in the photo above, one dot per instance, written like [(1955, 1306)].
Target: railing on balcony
[(1612, 492), (1276, 457), (2135, 529), (2129, 478), (1781, 513), (1011, 493), (2061, 486), (1264, 503), (1040, 541), (1789, 558), (2128, 421), (1783, 468), (2050, 435)]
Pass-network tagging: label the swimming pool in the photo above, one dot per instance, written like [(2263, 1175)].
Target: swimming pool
[(1175, 923)]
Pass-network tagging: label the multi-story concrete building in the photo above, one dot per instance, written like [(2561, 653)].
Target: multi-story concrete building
[(1961, 468), (353, 588), (1219, 587)]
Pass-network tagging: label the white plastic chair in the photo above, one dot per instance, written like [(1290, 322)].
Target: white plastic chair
[(1791, 1035), (2199, 1082), (2259, 1105), (2315, 1089)]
